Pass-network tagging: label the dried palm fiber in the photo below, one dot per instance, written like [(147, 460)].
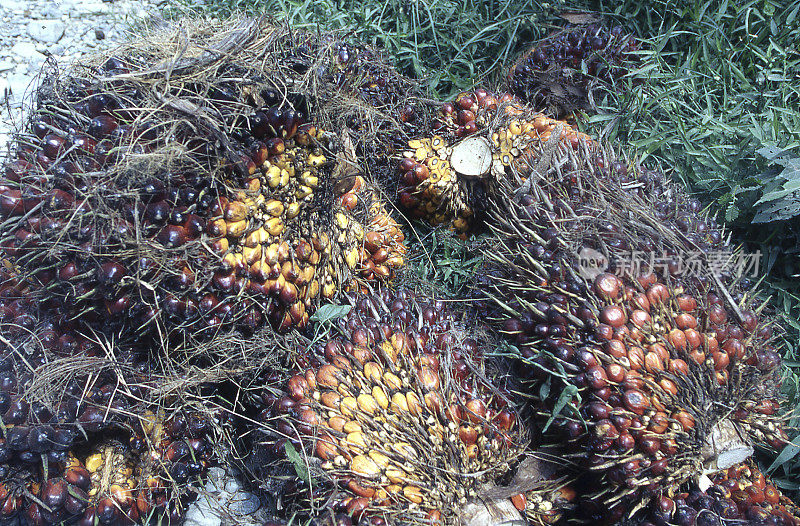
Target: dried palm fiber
[(181, 184), (402, 422), (666, 371), (445, 176), (572, 67), (742, 494)]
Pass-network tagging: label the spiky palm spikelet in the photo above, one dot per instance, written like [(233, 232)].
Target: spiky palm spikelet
[(400, 414)]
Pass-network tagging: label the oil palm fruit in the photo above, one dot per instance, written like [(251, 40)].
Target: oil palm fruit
[(742, 494), (125, 217), (36, 429), (398, 412), (444, 178), (644, 356), (755, 498), (650, 367), (61, 398), (134, 478), (567, 70), (58, 386)]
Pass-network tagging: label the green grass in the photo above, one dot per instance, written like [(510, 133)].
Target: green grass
[(718, 106)]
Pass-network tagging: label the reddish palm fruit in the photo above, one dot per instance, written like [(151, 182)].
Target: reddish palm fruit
[(571, 67), (224, 221), (646, 388), (439, 174), (396, 412)]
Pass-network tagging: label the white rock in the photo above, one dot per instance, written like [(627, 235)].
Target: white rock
[(95, 7), (202, 512), (25, 51), (34, 68), (12, 5), (46, 30), (224, 500), (18, 85), (5, 65)]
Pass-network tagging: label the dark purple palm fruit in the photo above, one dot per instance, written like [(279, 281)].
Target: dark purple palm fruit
[(571, 68), (112, 481), (399, 412), (741, 494), (56, 385)]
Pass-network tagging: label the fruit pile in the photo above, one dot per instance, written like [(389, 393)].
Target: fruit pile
[(739, 495), (566, 70), (83, 453), (162, 217), (399, 413), (114, 482), (444, 178)]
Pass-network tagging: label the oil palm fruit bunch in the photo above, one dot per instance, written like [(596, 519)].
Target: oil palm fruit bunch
[(139, 212), (566, 71), (137, 477), (444, 178), (398, 414), (656, 369), (64, 403), (649, 387), (742, 494)]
